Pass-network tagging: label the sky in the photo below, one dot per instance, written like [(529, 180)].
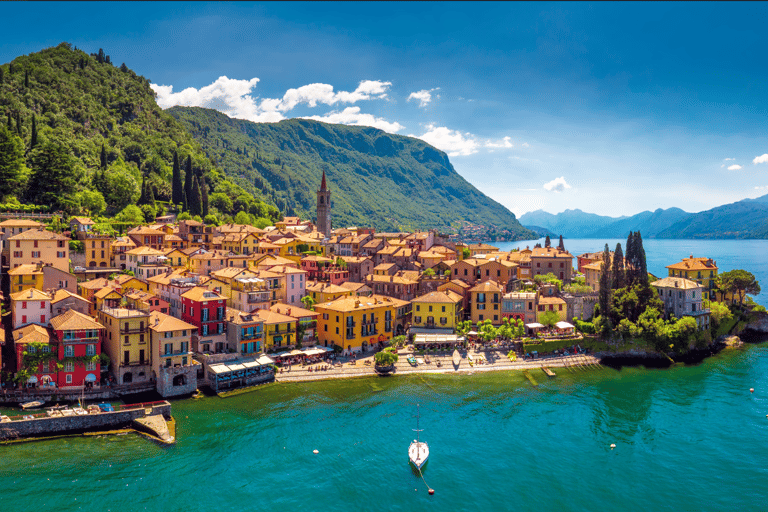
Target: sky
[(612, 108)]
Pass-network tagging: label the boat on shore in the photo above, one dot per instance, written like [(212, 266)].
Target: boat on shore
[(456, 358), (418, 451), (32, 405)]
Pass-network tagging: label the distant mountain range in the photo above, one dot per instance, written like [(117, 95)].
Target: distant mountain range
[(743, 219)]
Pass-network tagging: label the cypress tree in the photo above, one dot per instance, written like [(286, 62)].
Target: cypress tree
[(196, 205), (204, 192), (10, 122), (561, 245), (33, 139), (2, 74), (177, 195), (151, 196), (143, 197), (18, 123), (604, 295), (100, 56), (547, 242), (188, 183), (642, 268), (629, 258), (26, 79), (617, 269), (103, 157)]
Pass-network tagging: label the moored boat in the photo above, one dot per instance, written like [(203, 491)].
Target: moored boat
[(456, 357), (418, 451), (32, 405)]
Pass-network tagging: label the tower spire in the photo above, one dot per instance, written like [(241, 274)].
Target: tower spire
[(322, 183)]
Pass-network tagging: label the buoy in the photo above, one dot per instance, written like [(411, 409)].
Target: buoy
[(431, 492), (751, 390), (613, 446), (315, 452)]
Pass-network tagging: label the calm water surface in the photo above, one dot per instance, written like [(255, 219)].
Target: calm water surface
[(688, 438), (751, 255)]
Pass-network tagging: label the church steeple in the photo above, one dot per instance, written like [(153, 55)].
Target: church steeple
[(324, 208)]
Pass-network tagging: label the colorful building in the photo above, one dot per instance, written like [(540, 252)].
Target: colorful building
[(206, 310), (38, 246), (683, 297), (519, 305), (30, 306), (556, 304), (279, 329), (701, 270), (29, 340), (26, 276), (174, 369), (126, 340), (485, 302), (245, 332), (438, 310), (79, 350)]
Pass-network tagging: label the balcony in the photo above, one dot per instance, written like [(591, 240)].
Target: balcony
[(140, 362), (253, 336), (134, 330)]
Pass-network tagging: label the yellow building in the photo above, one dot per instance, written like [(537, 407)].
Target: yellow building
[(126, 340), (97, 251), (26, 276), (357, 324), (438, 310), (279, 329), (485, 302), (127, 282), (327, 292), (38, 246), (701, 270), (176, 258), (592, 273), (106, 296), (556, 304), (240, 243)]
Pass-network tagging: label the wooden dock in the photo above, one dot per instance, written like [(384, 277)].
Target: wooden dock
[(547, 371), (530, 377)]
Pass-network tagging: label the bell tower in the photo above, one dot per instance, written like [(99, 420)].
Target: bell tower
[(324, 209)]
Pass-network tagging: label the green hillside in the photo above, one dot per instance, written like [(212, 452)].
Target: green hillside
[(60, 106), (376, 179)]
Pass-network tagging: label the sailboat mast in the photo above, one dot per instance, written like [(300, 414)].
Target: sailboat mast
[(417, 425)]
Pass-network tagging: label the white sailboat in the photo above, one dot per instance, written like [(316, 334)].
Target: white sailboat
[(418, 451)]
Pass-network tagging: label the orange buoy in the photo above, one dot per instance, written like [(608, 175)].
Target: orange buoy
[(431, 492), (751, 390), (613, 446)]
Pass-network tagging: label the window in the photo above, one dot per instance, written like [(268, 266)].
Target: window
[(69, 351), (35, 254), (60, 254), (443, 309), (69, 379), (90, 350), (69, 366), (168, 348), (430, 309), (417, 320), (418, 308), (42, 319), (90, 366), (23, 319), (24, 305)]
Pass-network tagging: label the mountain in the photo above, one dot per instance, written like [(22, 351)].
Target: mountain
[(376, 179), (647, 222), (61, 105), (747, 218), (570, 223)]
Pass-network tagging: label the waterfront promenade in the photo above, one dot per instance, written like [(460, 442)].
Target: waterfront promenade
[(496, 360)]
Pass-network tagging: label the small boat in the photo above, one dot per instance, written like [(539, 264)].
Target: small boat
[(412, 361), (471, 361), (456, 357), (32, 405), (418, 451)]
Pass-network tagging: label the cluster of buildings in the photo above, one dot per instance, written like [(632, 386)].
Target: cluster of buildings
[(175, 305)]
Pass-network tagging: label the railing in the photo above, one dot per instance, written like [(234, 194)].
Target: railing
[(134, 330), (135, 363)]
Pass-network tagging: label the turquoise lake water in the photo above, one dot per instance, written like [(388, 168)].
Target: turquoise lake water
[(687, 438)]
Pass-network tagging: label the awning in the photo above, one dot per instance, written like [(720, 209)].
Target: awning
[(265, 360), (234, 367), (563, 325), (219, 368), (32, 380), (534, 325), (472, 333), (251, 364), (283, 354), (313, 351), (46, 378), (90, 378), (297, 352)]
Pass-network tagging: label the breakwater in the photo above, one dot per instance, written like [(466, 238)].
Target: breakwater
[(41, 425)]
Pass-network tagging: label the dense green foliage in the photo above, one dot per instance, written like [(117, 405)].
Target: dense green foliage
[(82, 135), (376, 179), (738, 283)]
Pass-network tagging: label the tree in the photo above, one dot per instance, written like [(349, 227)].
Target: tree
[(33, 137), (188, 184), (465, 253), (629, 259), (177, 194), (309, 302), (549, 318), (131, 214), (13, 171), (617, 269), (55, 175), (92, 201), (547, 242), (242, 218), (103, 159), (386, 357), (561, 245), (738, 282), (122, 187), (604, 296), (429, 272), (204, 193), (196, 204), (719, 312), (26, 79)]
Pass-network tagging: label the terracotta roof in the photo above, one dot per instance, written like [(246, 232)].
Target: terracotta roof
[(316, 258), (145, 250), (551, 300), (25, 270), (94, 284), (31, 333), (346, 304), (145, 230), (38, 234), (30, 294), (482, 247), (486, 286), (294, 311), (61, 294), (271, 317), (326, 288), (20, 223), (447, 296), (160, 322), (230, 272), (459, 282), (121, 279), (201, 294), (355, 287), (74, 321), (82, 220), (676, 282), (692, 263), (549, 252), (104, 292), (240, 317)]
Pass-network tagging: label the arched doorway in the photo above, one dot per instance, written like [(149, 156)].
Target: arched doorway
[(180, 380), (127, 377)]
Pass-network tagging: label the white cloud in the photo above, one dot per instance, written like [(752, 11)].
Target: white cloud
[(762, 159), (452, 142), (353, 116), (728, 159), (506, 142), (526, 145), (424, 96), (735, 167), (557, 185), (764, 187), (233, 97)]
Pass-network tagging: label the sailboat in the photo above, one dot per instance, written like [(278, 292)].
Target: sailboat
[(418, 451)]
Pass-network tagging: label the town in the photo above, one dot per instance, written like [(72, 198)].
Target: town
[(178, 305)]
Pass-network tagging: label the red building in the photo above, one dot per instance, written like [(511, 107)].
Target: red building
[(78, 336), (206, 310)]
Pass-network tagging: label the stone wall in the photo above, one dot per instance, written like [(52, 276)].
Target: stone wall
[(166, 377), (71, 424), (580, 306)]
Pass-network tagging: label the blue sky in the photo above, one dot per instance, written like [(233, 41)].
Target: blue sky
[(613, 108)]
